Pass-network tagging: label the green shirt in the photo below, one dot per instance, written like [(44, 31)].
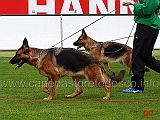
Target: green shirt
[(146, 12)]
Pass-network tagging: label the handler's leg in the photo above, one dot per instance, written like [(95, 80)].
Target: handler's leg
[(151, 62), (143, 44)]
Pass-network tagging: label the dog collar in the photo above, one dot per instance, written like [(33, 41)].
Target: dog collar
[(100, 44)]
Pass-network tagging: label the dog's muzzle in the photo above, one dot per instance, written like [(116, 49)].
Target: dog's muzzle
[(79, 45), (18, 62)]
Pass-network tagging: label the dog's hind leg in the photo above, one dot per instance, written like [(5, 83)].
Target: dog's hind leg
[(129, 72), (108, 68), (97, 77), (78, 83)]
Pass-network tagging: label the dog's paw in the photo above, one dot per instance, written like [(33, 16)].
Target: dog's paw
[(46, 99), (67, 96), (105, 98)]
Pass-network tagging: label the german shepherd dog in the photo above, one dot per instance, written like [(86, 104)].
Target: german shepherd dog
[(58, 62), (106, 52)]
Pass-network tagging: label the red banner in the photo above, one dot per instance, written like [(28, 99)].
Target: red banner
[(57, 7)]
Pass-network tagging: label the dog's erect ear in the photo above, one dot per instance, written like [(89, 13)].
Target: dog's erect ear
[(83, 32), (25, 45), (25, 42)]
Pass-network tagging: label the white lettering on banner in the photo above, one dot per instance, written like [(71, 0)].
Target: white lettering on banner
[(111, 6), (79, 6), (93, 4), (76, 6), (49, 8)]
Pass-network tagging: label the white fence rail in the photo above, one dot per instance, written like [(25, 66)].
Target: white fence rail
[(45, 31)]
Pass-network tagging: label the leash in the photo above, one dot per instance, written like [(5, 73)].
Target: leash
[(101, 43), (120, 38), (84, 27), (123, 38)]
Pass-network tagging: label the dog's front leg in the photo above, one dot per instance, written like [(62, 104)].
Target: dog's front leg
[(53, 85), (46, 86), (108, 91)]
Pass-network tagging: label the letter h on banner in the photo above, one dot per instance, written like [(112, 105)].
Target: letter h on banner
[(34, 8)]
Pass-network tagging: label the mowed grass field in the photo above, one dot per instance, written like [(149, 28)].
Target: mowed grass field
[(21, 97)]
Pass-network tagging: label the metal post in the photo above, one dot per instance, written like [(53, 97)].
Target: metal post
[(61, 28)]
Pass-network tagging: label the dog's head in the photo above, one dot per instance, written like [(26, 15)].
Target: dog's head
[(82, 40), (21, 55)]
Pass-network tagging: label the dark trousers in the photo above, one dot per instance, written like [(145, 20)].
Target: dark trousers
[(143, 44)]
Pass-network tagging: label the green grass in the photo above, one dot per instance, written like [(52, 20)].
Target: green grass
[(25, 84)]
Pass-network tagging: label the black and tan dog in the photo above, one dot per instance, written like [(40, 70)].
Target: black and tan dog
[(58, 62), (106, 52)]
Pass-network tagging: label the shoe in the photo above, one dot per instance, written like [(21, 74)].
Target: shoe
[(132, 90)]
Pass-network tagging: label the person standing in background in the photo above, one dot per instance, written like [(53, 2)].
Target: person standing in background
[(147, 30)]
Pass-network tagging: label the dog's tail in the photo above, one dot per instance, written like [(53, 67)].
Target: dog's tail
[(119, 78)]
